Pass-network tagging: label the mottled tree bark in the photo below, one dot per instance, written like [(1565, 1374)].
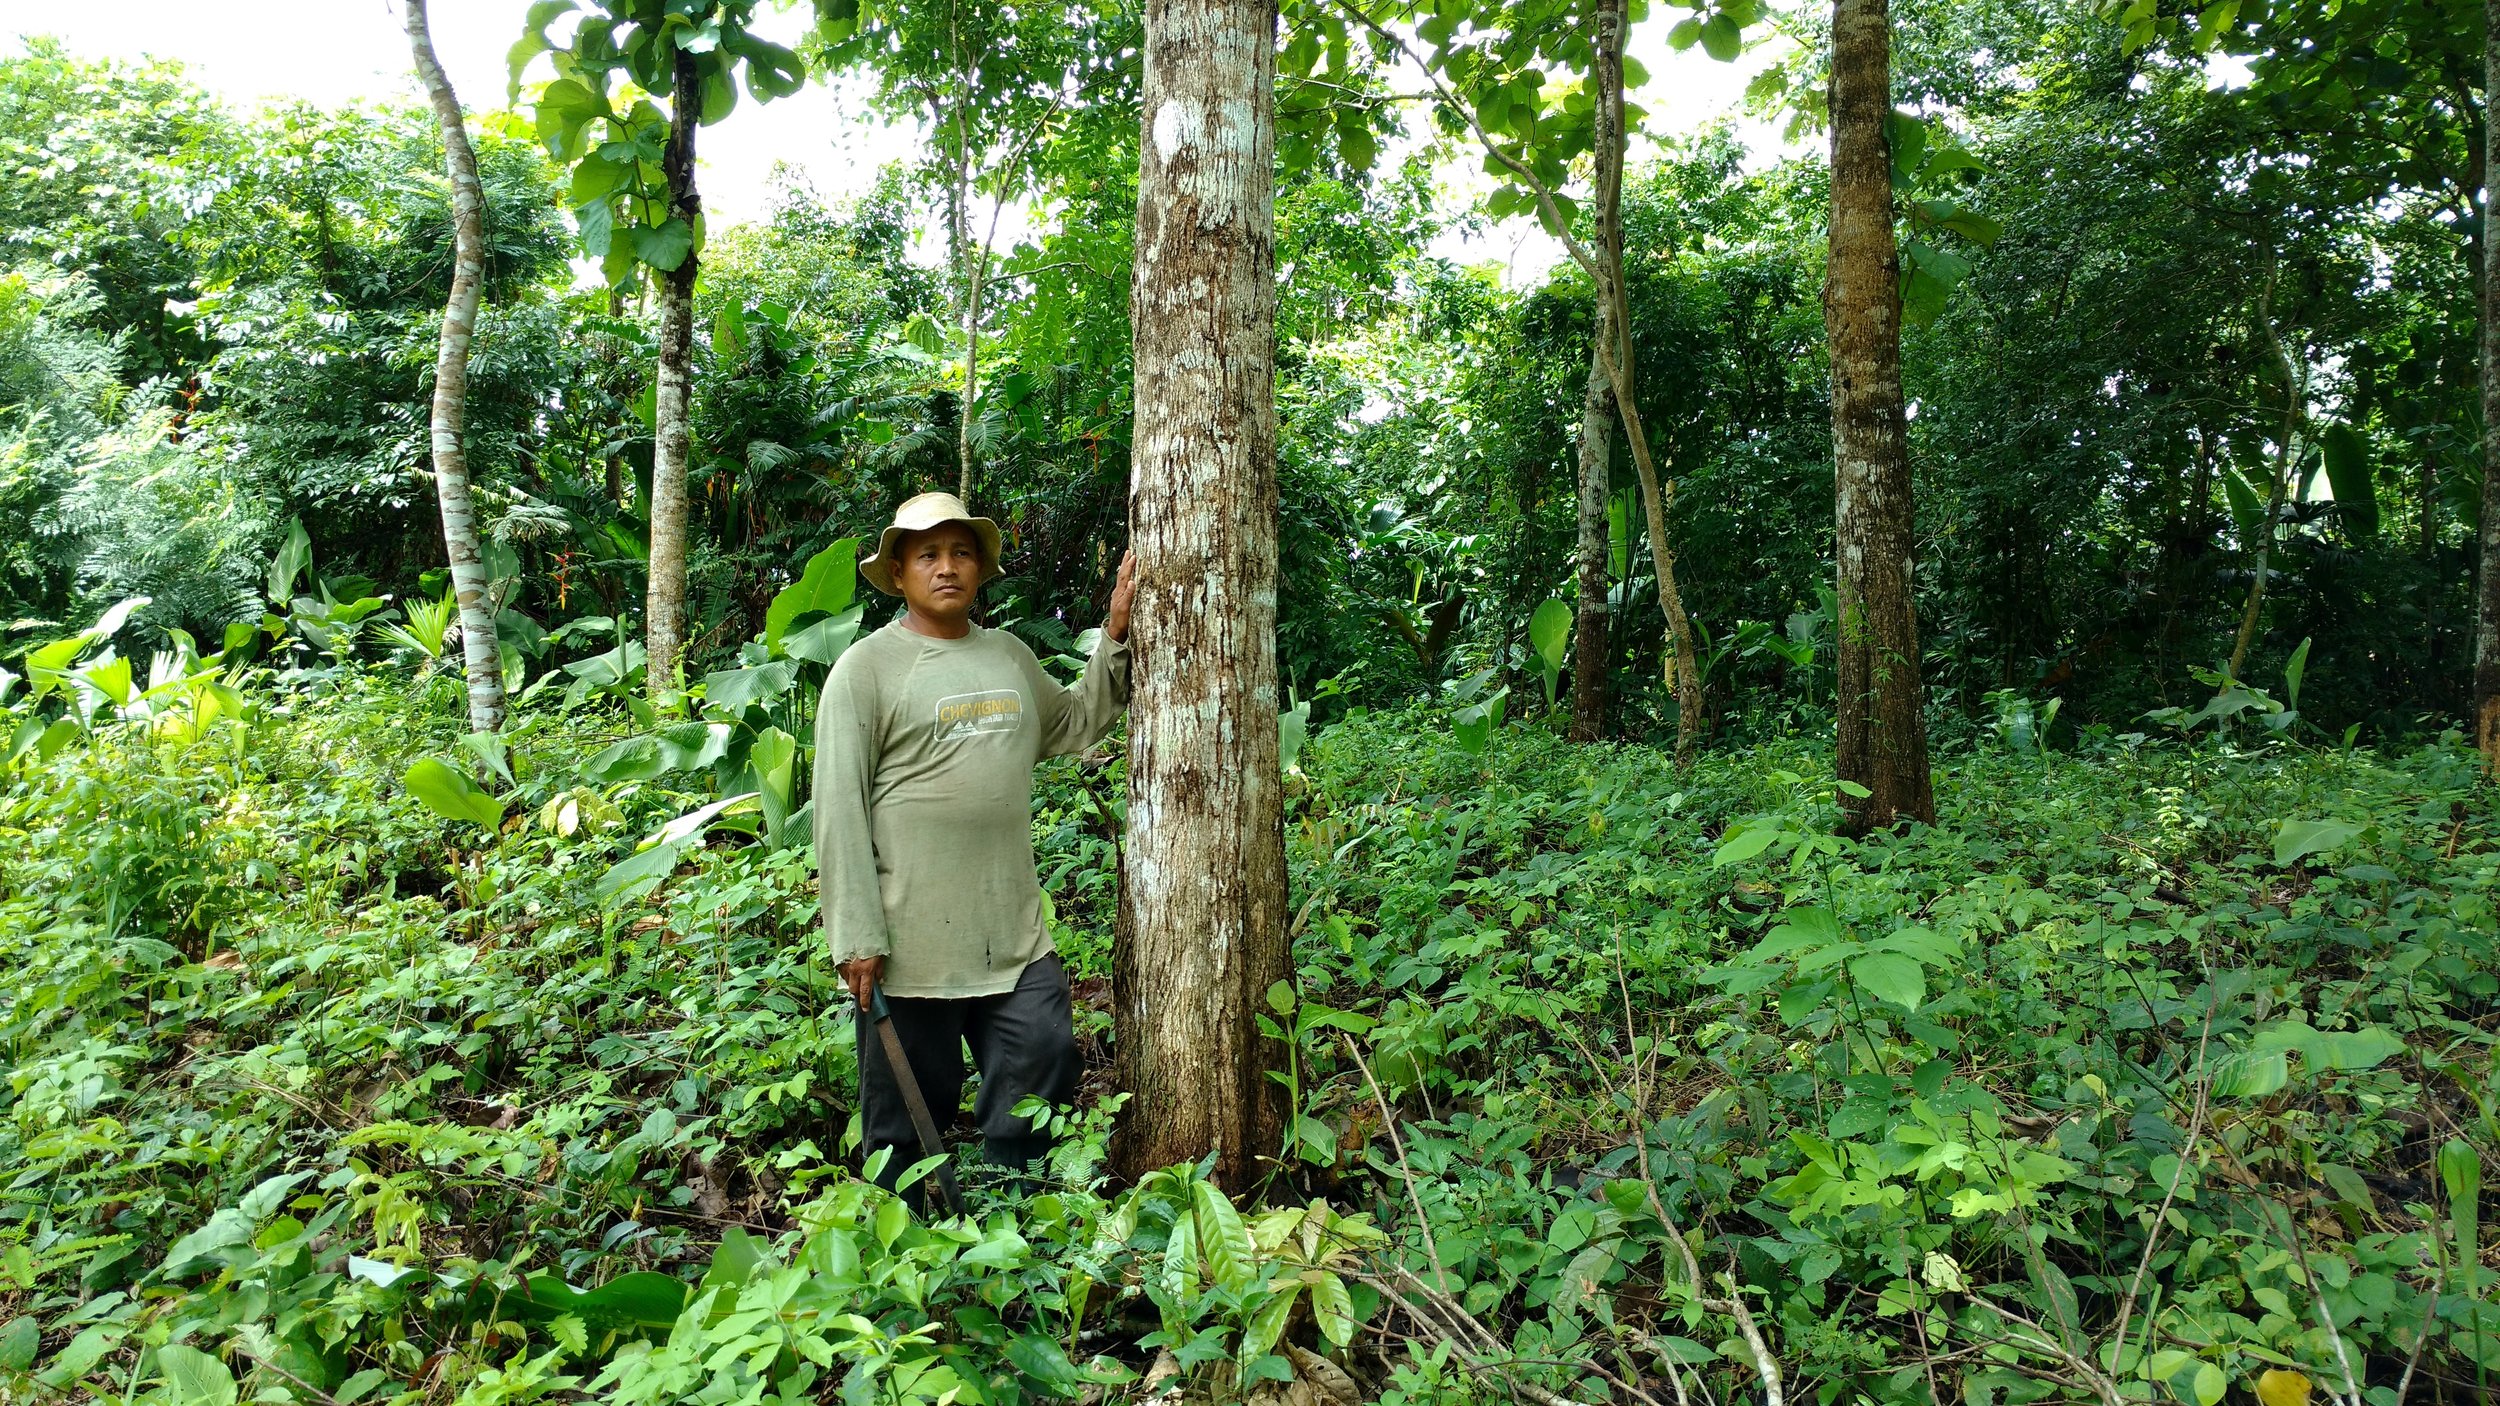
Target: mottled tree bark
[(1597, 403), (672, 430), (1614, 356), (1588, 633), (2487, 536), (1883, 725), (1205, 899), (481, 654)]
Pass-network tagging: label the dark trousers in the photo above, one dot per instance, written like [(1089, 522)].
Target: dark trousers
[(1023, 1042)]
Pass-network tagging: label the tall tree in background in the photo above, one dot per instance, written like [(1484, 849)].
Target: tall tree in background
[(1597, 411), (1488, 70), (634, 197), (2487, 535), (480, 653), (1883, 726), (672, 401), (1588, 632), (1203, 907), (993, 82)]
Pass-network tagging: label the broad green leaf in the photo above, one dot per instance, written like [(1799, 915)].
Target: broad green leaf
[(2365, 1048), (1889, 976), (19, 1342), (1549, 632), (193, 1378), (1721, 39), (1223, 1237), (641, 1303), (773, 757), (2461, 1176), (1743, 843), (1332, 1308), (2245, 1074), (2299, 839), (1041, 1360), (448, 792), (826, 586), (2293, 669), (2348, 472), (666, 246), (823, 640), (733, 691), (1267, 1322)]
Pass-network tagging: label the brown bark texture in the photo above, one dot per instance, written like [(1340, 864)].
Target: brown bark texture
[(1883, 725), (672, 430), (1614, 358), (481, 653), (1588, 632), (1204, 905), (2486, 701)]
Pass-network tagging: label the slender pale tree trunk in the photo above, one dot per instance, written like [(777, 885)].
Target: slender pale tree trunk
[(1614, 358), (2288, 448), (672, 405), (1205, 898), (1883, 724), (2487, 536), (481, 654), (1588, 635), (1604, 266)]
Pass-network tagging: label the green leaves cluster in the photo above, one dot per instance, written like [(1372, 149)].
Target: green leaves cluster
[(597, 117)]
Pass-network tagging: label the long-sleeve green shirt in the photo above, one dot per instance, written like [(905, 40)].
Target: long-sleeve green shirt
[(924, 800)]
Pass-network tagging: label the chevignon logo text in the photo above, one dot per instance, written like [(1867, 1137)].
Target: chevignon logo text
[(961, 715)]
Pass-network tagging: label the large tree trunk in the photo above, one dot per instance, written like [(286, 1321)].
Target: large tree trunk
[(1205, 898), (1588, 635), (481, 654), (1883, 725), (2487, 535), (672, 431)]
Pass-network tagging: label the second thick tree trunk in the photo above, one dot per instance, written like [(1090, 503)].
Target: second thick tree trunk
[(1204, 906), (672, 403), (1883, 726), (2486, 701), (481, 653)]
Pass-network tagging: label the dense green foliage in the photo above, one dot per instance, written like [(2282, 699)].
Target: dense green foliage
[(272, 1012), (350, 1057)]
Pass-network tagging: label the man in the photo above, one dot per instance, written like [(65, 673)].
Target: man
[(925, 745)]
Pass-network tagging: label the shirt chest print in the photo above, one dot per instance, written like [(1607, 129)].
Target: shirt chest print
[(962, 715)]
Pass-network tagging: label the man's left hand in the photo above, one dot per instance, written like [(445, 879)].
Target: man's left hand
[(1123, 595)]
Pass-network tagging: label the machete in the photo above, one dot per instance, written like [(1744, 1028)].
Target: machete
[(931, 1145)]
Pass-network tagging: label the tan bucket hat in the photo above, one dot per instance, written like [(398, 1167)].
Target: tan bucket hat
[(919, 515)]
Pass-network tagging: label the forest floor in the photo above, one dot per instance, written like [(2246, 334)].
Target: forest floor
[(2154, 1068)]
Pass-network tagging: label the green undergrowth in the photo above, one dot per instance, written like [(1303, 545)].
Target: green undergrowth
[(2148, 1071)]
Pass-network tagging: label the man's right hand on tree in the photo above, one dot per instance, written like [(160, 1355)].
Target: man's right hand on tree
[(861, 975)]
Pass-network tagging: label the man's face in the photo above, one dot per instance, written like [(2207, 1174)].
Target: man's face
[(938, 570)]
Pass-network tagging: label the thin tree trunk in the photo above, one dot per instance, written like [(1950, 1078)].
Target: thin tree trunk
[(1588, 643), (1205, 898), (1614, 356), (1881, 702), (1606, 274), (672, 430), (2287, 452), (481, 653), (2487, 535)]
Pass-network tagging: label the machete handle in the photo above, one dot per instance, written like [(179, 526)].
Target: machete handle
[(876, 1003)]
